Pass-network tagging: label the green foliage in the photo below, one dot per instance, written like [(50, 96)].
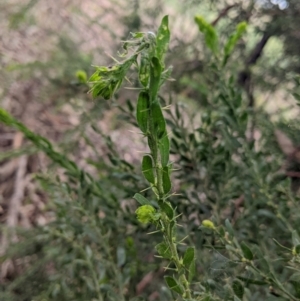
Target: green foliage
[(233, 39), (145, 214), (155, 167), (248, 245), (107, 80), (210, 34)]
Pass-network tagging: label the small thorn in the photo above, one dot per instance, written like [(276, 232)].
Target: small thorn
[(183, 239), (153, 232), (145, 189), (178, 214), (112, 58), (132, 88)]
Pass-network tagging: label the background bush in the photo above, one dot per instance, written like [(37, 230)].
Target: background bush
[(68, 226)]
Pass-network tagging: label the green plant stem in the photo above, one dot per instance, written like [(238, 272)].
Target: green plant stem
[(166, 227), (153, 144), (175, 257), (278, 285)]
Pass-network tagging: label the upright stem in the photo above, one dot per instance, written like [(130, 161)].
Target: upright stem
[(167, 229)]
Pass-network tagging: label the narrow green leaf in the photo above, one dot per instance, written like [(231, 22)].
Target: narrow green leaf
[(264, 265), (155, 73), (178, 114), (210, 34), (295, 238), (174, 285), (297, 249), (252, 281), (166, 180), (167, 209), (238, 288), (159, 122), (89, 283), (121, 256), (296, 95), (129, 105), (189, 257), (88, 251), (233, 39), (192, 270), (147, 169), (141, 200), (166, 74), (163, 250), (295, 280), (162, 38), (142, 111), (164, 149), (229, 227), (246, 251), (144, 71)]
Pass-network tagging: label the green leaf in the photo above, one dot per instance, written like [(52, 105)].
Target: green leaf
[(166, 180), (107, 80), (192, 271), (295, 280), (159, 122), (81, 76), (121, 256), (142, 111), (166, 74), (229, 228), (155, 73), (248, 280), (162, 38), (90, 284), (167, 209), (174, 285), (189, 257), (147, 169), (233, 39), (129, 105), (295, 238), (238, 288), (141, 199), (210, 34), (144, 71), (296, 95), (164, 149), (88, 251), (163, 250), (246, 251), (297, 249), (264, 265)]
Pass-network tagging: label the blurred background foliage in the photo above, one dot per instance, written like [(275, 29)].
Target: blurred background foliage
[(68, 229)]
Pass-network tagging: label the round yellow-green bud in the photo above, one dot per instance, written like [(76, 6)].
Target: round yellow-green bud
[(145, 213), (81, 76), (208, 224)]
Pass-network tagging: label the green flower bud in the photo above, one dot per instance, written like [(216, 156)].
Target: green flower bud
[(81, 76), (107, 80), (208, 224), (145, 214)]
